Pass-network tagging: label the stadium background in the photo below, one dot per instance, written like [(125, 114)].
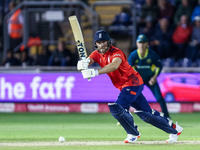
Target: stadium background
[(38, 104), (48, 20)]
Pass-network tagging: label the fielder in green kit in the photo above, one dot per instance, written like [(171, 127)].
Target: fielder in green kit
[(147, 63)]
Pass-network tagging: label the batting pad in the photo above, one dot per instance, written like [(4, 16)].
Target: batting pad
[(124, 117), (156, 120)]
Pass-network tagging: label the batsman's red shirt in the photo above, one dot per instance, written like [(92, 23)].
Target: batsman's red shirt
[(125, 75)]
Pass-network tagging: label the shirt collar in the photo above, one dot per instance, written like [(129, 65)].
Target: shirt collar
[(147, 51)]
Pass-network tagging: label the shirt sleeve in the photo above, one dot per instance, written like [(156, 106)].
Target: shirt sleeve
[(93, 55), (158, 64), (131, 59), (119, 54)]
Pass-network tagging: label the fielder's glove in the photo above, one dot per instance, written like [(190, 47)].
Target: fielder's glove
[(83, 64), (88, 73)]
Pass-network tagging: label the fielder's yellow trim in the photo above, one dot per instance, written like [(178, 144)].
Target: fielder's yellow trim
[(147, 52), (153, 67), (157, 71)]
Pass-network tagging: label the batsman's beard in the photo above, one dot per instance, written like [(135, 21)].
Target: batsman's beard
[(103, 50)]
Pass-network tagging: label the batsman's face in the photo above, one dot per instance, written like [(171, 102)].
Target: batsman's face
[(102, 46)]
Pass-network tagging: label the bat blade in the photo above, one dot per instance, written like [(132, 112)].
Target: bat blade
[(78, 36), (76, 29)]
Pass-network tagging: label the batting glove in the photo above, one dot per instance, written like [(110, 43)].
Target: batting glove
[(83, 64), (88, 73)]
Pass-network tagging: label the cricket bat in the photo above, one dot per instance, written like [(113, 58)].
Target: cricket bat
[(78, 36)]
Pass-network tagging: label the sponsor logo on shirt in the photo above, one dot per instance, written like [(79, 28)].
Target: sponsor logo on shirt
[(143, 67), (116, 55)]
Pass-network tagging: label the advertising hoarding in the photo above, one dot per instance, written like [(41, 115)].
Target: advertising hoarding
[(71, 87)]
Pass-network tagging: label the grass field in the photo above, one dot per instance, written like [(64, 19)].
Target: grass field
[(89, 132)]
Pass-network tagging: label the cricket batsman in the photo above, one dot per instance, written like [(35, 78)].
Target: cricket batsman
[(114, 62), (147, 63)]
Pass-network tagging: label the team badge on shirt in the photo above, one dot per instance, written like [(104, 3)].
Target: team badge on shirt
[(149, 61)]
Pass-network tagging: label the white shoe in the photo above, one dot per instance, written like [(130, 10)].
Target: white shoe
[(173, 137), (118, 124), (131, 138)]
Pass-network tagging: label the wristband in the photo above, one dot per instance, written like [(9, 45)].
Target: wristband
[(96, 72)]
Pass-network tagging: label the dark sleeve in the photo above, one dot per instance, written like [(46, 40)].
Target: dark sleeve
[(131, 59), (157, 62)]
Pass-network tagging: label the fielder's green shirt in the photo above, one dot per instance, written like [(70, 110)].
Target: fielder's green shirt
[(146, 66)]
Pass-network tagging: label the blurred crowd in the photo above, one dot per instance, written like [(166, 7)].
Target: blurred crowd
[(35, 53), (172, 28)]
